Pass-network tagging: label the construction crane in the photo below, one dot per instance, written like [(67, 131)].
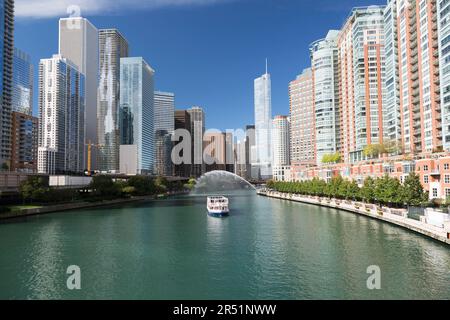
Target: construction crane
[(89, 159)]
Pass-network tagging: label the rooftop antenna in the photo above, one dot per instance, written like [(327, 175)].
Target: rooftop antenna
[(266, 67)]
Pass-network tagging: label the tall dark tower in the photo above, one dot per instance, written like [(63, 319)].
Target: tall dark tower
[(6, 70)]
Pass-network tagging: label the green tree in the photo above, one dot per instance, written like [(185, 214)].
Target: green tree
[(5, 167), (143, 185), (332, 158), (367, 192), (413, 193), (103, 186), (34, 188)]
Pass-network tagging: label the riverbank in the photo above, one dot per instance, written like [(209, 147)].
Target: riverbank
[(79, 205), (397, 217)]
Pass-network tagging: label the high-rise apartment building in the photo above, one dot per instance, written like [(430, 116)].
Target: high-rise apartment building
[(324, 62), (78, 42), (22, 95), (391, 102), (281, 141), (418, 66), (443, 25), (136, 112), (164, 111), (183, 122), (112, 47), (263, 125), (6, 70), (197, 116), (362, 73), (303, 132), (62, 117)]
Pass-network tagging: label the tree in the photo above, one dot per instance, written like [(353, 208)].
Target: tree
[(367, 191), (5, 166), (104, 186), (34, 188), (413, 193), (332, 158), (143, 185)]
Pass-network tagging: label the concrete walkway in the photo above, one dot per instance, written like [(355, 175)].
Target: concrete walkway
[(393, 216)]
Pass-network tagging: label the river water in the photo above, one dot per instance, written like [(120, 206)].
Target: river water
[(171, 249)]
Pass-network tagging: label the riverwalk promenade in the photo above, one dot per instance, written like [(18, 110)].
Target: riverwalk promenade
[(397, 217)]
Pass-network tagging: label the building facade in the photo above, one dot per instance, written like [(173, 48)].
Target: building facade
[(112, 47), (183, 122), (24, 147), (197, 117), (163, 151), (263, 125), (362, 80), (78, 42), (61, 117), (281, 141), (418, 50), (303, 129), (443, 25), (136, 112), (324, 62), (165, 111), (23, 77), (6, 69)]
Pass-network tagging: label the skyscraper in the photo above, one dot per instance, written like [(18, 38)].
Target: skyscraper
[(164, 111), (112, 47), (281, 141), (303, 132), (418, 51), (443, 24), (324, 61), (136, 112), (183, 122), (391, 102), (250, 152), (197, 116), (78, 42), (163, 150), (22, 98), (6, 70), (62, 116), (263, 125), (361, 46), (215, 150)]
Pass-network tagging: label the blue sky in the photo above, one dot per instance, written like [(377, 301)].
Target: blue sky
[(208, 52)]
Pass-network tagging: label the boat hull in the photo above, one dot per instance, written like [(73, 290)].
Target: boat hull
[(218, 214)]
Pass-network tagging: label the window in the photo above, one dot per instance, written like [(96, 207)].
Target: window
[(446, 166), (447, 193), (425, 179), (447, 179), (435, 193), (425, 168)]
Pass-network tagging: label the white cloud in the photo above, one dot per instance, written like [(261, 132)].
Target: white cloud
[(59, 8)]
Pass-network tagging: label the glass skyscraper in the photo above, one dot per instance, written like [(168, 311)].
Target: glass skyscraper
[(78, 42), (22, 95), (263, 125), (164, 111), (136, 114), (113, 46)]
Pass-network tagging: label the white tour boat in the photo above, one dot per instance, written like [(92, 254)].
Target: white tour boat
[(218, 206)]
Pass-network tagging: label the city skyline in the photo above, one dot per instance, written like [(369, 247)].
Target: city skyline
[(284, 65)]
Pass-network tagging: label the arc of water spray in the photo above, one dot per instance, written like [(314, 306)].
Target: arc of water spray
[(221, 172)]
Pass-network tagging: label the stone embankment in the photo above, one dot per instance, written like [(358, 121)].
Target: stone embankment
[(397, 217)]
